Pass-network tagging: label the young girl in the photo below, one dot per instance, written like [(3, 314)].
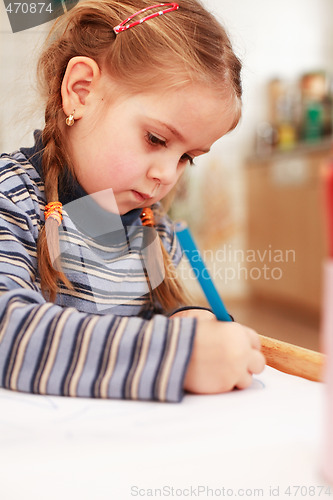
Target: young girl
[(134, 92)]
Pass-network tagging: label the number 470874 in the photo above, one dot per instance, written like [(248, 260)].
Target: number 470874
[(28, 8), (308, 491)]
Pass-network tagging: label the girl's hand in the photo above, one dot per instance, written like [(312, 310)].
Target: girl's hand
[(203, 314), (225, 355)]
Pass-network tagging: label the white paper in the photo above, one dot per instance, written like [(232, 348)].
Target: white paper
[(265, 437)]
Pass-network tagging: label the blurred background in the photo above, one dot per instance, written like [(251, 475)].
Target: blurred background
[(254, 204)]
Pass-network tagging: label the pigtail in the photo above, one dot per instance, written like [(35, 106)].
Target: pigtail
[(48, 248), (170, 293)]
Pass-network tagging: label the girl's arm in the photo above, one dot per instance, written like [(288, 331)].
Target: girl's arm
[(48, 349)]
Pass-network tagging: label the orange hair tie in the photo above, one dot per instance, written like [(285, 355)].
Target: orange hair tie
[(147, 217), (54, 210)]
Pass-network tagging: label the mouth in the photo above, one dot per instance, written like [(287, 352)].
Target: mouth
[(141, 196)]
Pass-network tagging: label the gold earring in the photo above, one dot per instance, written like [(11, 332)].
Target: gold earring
[(70, 119)]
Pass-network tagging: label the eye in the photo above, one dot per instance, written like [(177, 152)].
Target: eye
[(187, 158), (155, 140)]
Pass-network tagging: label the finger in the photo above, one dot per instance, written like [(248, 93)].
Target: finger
[(257, 362), (254, 339), (245, 381)]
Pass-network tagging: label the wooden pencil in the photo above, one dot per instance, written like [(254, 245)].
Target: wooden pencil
[(293, 359)]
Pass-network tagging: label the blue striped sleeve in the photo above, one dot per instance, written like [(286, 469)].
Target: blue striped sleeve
[(47, 348)]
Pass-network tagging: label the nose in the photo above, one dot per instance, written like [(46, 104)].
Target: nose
[(164, 171)]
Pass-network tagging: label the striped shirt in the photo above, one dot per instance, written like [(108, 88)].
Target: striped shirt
[(92, 342)]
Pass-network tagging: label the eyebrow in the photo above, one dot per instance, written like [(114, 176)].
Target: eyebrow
[(177, 134)]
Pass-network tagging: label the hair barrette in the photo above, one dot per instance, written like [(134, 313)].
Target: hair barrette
[(147, 217), (54, 210), (123, 26)]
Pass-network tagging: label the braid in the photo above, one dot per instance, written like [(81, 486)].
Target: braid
[(48, 248), (170, 293)]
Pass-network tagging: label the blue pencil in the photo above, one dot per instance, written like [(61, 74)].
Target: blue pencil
[(201, 272)]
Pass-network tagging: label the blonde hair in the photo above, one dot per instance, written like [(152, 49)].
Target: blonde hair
[(185, 46)]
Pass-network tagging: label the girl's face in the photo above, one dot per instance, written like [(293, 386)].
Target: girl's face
[(142, 144)]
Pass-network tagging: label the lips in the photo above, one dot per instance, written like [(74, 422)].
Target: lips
[(141, 196)]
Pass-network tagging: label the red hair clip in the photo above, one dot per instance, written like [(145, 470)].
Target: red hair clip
[(123, 26)]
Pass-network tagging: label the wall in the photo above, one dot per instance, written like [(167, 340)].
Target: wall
[(20, 108)]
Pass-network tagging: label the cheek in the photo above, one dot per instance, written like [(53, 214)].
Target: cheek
[(120, 169)]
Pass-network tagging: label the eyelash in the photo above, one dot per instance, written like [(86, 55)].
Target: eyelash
[(156, 141)]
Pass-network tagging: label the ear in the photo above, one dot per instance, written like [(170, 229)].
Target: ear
[(80, 79)]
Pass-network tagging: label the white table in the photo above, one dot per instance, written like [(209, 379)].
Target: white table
[(254, 443)]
